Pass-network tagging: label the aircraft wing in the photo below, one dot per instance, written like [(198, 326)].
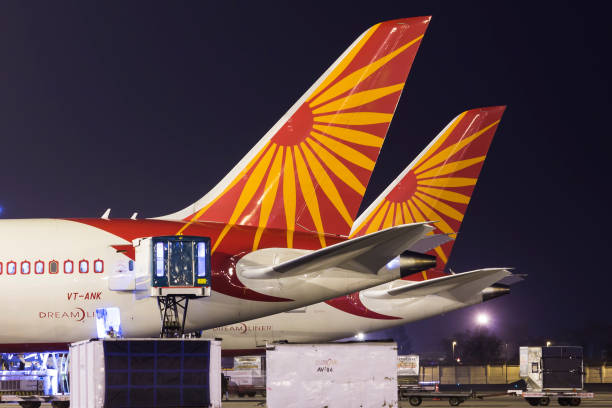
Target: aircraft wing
[(459, 284), (365, 254)]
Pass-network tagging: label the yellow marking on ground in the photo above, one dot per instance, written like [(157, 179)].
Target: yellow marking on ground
[(344, 63), (446, 195), (448, 182), (289, 196), (345, 152), (350, 135), (368, 218), (389, 218), (442, 138), (451, 150), (398, 214), (353, 79), (232, 184), (355, 118), (269, 195), (377, 220), (407, 217), (326, 183), (451, 167), (308, 191), (247, 193), (358, 99), (442, 207), (336, 166)]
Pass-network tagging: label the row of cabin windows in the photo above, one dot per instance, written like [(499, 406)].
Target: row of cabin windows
[(53, 267)]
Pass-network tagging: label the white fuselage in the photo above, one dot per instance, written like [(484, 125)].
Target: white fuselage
[(322, 322), (60, 307)]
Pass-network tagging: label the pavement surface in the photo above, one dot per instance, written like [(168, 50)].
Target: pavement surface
[(601, 400)]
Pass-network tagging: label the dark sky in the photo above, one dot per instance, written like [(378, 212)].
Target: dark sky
[(144, 106)]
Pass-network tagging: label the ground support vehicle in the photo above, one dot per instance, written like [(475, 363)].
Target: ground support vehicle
[(415, 396), (544, 398), (552, 372), (35, 401)]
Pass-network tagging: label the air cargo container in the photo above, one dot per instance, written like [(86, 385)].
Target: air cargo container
[(126, 373), (361, 374), (553, 372)]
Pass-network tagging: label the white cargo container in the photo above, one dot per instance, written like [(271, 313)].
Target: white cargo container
[(165, 372), (332, 375)]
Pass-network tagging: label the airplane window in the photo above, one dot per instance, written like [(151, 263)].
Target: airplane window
[(98, 266), (83, 266), (68, 267), (25, 268), (53, 267), (11, 267), (39, 267)]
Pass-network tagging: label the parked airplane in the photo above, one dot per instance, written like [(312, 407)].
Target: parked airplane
[(270, 237), (437, 185)]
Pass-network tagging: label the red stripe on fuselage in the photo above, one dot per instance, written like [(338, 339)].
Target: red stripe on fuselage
[(237, 243), (352, 304)]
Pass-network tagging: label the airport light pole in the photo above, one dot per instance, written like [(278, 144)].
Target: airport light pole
[(454, 344)]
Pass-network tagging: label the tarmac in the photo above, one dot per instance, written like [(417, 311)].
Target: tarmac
[(601, 400)]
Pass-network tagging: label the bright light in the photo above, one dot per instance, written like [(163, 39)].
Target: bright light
[(482, 319), (360, 336), (454, 343), (548, 343)]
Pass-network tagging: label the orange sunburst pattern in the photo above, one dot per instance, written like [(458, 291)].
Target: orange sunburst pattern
[(312, 173), (439, 185)]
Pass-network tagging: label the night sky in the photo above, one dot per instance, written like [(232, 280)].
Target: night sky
[(145, 106)]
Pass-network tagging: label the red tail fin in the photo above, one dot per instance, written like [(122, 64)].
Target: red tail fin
[(310, 171), (438, 185)]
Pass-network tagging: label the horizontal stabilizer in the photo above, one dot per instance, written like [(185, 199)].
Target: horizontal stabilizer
[(430, 242), (366, 254), (512, 279), (472, 281)]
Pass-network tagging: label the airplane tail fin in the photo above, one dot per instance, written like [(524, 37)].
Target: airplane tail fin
[(438, 184), (310, 171)]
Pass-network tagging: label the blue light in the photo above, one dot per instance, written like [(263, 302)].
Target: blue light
[(108, 322), (1, 209), (394, 263)]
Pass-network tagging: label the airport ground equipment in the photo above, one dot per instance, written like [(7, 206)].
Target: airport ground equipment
[(179, 270), (247, 376), (550, 373), (416, 396), (113, 373), (359, 374), (31, 379)]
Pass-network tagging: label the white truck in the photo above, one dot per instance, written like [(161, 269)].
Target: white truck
[(554, 372)]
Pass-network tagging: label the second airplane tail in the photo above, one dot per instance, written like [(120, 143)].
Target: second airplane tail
[(438, 184)]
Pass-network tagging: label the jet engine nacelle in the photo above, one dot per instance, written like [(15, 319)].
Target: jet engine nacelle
[(412, 262)]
